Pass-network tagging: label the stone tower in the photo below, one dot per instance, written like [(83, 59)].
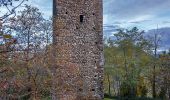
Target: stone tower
[(78, 34)]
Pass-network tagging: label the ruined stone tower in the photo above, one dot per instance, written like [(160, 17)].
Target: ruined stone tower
[(78, 36)]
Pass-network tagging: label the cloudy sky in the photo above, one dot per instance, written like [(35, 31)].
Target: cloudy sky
[(145, 14)]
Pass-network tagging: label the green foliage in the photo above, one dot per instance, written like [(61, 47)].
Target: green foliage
[(125, 89), (127, 60), (162, 93), (144, 91)]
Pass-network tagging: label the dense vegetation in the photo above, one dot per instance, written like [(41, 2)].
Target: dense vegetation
[(134, 69), (25, 56)]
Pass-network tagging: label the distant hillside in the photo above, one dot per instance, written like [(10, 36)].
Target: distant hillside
[(164, 34)]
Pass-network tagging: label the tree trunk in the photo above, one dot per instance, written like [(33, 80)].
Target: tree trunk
[(153, 84), (108, 79), (154, 67)]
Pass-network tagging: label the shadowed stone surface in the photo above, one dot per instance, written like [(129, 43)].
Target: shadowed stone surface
[(78, 36)]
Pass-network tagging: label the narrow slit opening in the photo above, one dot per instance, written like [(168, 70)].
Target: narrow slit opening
[(81, 18)]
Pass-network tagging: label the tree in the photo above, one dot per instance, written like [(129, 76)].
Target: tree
[(155, 41), (163, 75), (46, 28), (128, 40), (127, 59), (133, 46), (28, 29), (33, 33), (10, 6)]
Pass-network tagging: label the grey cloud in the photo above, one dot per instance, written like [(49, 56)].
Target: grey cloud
[(109, 29), (111, 26), (138, 22), (164, 34), (131, 8), (119, 22), (165, 22)]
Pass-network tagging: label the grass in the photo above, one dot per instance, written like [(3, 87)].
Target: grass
[(131, 99), (47, 98), (108, 99)]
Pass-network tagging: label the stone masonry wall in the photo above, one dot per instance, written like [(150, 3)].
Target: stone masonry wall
[(78, 34)]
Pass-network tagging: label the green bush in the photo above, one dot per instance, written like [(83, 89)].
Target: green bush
[(144, 91), (127, 90), (162, 93)]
